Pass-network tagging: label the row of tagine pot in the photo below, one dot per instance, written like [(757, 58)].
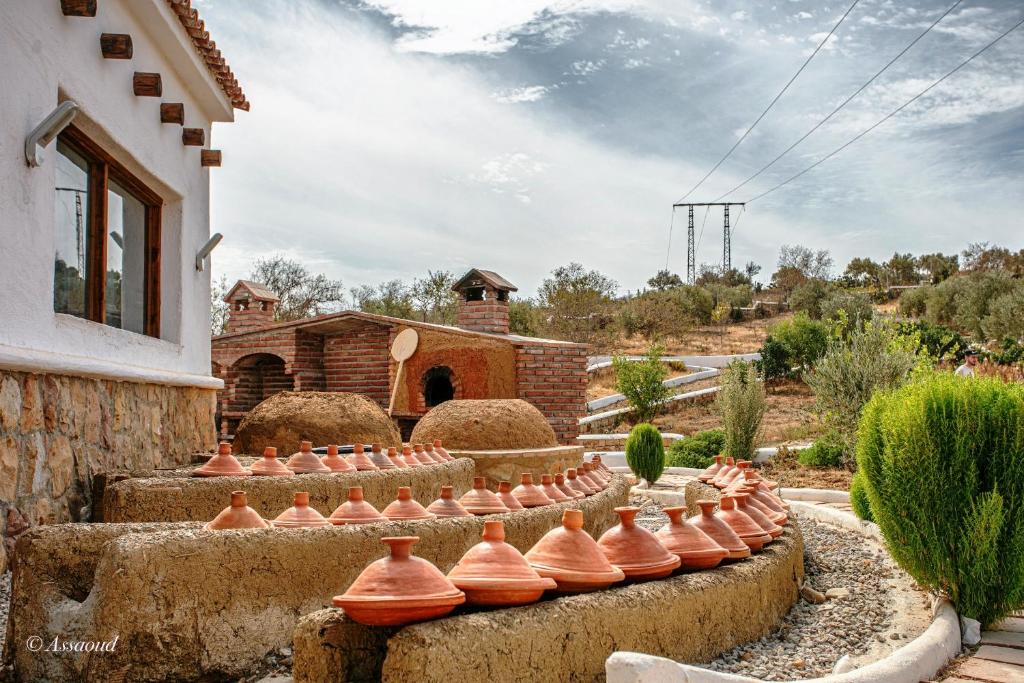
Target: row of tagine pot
[(403, 589), (725, 473), (592, 478), (305, 461)]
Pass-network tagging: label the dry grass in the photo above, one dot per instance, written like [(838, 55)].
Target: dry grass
[(602, 382), (785, 469), (742, 337)]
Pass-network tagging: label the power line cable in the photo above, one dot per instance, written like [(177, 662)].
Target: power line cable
[(696, 247), (671, 223), (844, 102), (772, 103), (889, 115)]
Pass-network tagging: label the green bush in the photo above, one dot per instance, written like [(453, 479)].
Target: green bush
[(775, 362), (1005, 319), (914, 302), (645, 452), (828, 451), (641, 382), (808, 297), (943, 468), (937, 341), (857, 307), (741, 405), (859, 498), (806, 339), (697, 450)]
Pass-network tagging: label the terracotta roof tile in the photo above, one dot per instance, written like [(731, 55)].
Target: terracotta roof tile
[(209, 53)]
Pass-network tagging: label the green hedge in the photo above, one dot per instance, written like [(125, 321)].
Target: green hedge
[(697, 450), (828, 451), (942, 461), (859, 498), (645, 452)]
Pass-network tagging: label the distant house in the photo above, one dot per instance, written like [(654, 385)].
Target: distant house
[(104, 341), (349, 351)]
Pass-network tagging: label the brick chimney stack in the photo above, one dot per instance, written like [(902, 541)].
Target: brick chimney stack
[(483, 301), (251, 307)]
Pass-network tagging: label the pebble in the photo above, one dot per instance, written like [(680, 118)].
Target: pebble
[(5, 604), (812, 596)]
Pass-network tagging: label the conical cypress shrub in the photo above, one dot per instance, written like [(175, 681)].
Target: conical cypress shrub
[(942, 462), (645, 452), (859, 498)]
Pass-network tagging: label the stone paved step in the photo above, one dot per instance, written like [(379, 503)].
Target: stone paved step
[(993, 672), (1007, 655), (1015, 624), (1004, 638)]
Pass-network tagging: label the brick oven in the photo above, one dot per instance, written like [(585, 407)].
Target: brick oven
[(349, 351)]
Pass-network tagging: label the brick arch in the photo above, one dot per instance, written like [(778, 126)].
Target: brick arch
[(249, 380), (433, 372)]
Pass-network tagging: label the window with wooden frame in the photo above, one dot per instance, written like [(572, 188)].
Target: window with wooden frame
[(107, 261)]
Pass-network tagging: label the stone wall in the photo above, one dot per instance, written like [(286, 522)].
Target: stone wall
[(58, 432), (692, 617), (510, 465)]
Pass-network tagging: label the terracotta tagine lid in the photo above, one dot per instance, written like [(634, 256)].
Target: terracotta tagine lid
[(494, 573), (762, 520), (595, 473), (399, 589), (238, 515), (305, 461), (379, 458), (729, 464), (428, 448), (776, 517), (749, 531), (583, 472), (564, 487), (360, 460), (269, 465), (573, 481), (395, 459), (447, 506), (409, 458), (694, 548), (719, 531), (529, 494), (355, 510), (300, 515), (479, 501), (504, 494), (711, 470), (336, 462), (223, 464), (752, 476), (767, 499), (404, 507), (635, 550), (596, 459), (735, 473), (547, 485), (572, 558), (421, 455), (440, 450)]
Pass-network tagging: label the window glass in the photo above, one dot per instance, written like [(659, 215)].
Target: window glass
[(72, 211), (126, 260)]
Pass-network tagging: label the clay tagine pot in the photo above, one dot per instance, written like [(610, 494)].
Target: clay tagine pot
[(719, 531), (379, 458), (495, 574), (725, 469), (300, 515), (440, 450), (573, 481), (336, 462), (447, 506), (635, 550), (694, 548), (711, 470), (753, 477), (355, 510), (572, 558), (564, 487), (360, 460), (238, 515), (421, 455), (734, 474), (400, 589), (504, 494), (305, 461), (583, 472), (762, 520), (596, 459), (395, 459), (269, 465), (749, 531), (222, 465), (547, 485), (479, 501), (409, 458), (595, 473), (529, 494), (404, 507), (428, 448), (767, 501)]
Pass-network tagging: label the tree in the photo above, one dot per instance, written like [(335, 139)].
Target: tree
[(787, 279), (642, 382), (391, 298), (938, 266), (434, 296), (303, 294), (864, 272), (218, 307), (982, 256), (751, 270), (901, 269), (664, 280), (810, 263), (578, 302)]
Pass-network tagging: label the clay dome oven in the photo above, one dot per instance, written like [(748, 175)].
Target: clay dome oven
[(479, 425)]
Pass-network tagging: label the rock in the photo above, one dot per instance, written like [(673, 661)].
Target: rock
[(812, 596), (798, 664), (894, 636), (8, 468), (970, 631), (747, 656), (62, 464), (10, 404), (837, 593)]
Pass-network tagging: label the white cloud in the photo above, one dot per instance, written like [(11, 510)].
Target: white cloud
[(739, 15), (803, 15), (529, 93)]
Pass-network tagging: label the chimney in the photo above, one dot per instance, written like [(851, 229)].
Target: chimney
[(251, 307), (483, 301)]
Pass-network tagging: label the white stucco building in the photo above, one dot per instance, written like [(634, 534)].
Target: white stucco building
[(104, 316)]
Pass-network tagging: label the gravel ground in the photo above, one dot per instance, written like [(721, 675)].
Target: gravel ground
[(871, 609), (5, 604)]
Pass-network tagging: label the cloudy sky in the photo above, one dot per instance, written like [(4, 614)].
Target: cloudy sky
[(387, 137)]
